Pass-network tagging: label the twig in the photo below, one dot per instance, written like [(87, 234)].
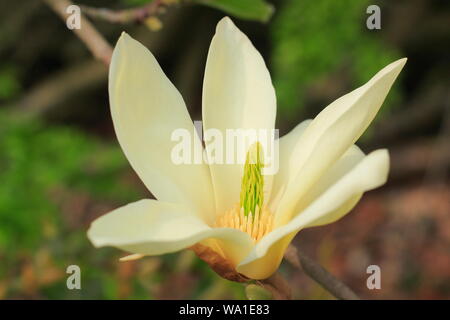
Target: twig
[(278, 286), (137, 14), (95, 42), (422, 110), (62, 85), (319, 274), (65, 83)]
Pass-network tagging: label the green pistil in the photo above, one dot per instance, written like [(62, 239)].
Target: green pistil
[(252, 188)]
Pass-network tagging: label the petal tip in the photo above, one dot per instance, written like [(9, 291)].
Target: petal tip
[(381, 163), (92, 238), (127, 42), (123, 37), (389, 73), (227, 26), (121, 45), (225, 22), (400, 63), (396, 66)]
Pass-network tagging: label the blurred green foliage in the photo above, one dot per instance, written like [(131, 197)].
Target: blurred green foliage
[(38, 165), (9, 83), (258, 10), (53, 182), (34, 162), (313, 39)]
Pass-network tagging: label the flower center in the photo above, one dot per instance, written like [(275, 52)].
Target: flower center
[(256, 225), (250, 215)]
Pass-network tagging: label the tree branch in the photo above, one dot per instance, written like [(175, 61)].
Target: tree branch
[(278, 286), (95, 42), (137, 14), (421, 111), (319, 274), (62, 85)]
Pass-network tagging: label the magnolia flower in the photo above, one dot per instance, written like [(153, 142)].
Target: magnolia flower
[(322, 173)]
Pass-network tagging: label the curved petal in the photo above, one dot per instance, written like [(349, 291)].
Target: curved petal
[(335, 202), (340, 168), (146, 109), (281, 178), (237, 94), (152, 227), (331, 133)]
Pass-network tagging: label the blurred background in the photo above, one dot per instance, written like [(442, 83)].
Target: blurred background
[(61, 165)]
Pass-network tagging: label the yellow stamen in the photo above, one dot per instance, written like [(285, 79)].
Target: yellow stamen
[(250, 215), (256, 225)]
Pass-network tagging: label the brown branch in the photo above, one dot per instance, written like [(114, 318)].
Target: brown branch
[(278, 286), (64, 84), (95, 42), (319, 274), (61, 86), (138, 14), (421, 111)]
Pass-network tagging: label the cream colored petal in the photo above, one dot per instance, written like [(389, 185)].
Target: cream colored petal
[(237, 94), (340, 168), (286, 144), (151, 227), (331, 133), (131, 257), (335, 202), (146, 109)]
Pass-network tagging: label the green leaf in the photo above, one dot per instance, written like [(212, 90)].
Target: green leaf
[(245, 9)]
